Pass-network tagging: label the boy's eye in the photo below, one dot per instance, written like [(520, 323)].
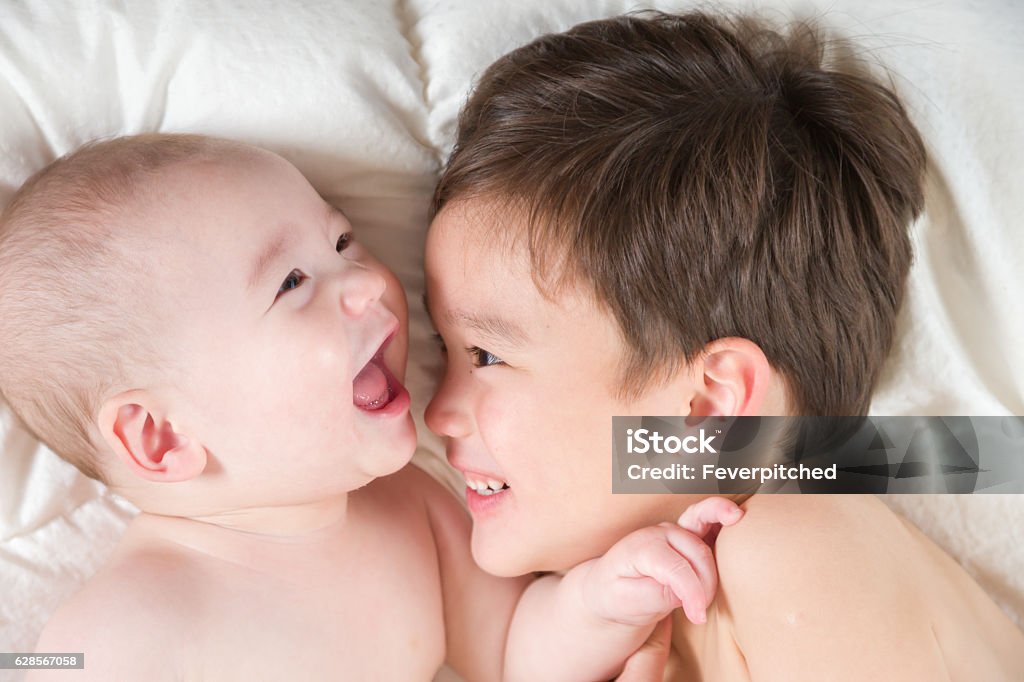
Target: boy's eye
[(483, 358), (292, 281), (440, 343), (343, 242)]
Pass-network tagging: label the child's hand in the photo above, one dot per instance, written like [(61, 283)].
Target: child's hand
[(654, 570), (652, 660)]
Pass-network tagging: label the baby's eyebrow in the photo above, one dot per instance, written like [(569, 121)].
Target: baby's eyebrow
[(270, 253)]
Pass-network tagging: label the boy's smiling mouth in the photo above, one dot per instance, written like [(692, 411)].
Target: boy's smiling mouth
[(484, 486), (484, 492)]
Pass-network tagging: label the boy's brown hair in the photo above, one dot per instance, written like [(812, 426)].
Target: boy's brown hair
[(73, 285), (706, 177)]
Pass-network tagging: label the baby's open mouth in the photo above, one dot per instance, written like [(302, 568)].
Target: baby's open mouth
[(374, 386)]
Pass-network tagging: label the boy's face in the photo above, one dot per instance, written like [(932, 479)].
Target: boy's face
[(527, 400), (287, 339)]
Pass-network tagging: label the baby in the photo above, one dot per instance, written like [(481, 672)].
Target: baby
[(188, 321), (690, 215)]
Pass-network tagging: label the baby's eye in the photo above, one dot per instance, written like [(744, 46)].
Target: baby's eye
[(292, 281), (483, 358), (343, 242)]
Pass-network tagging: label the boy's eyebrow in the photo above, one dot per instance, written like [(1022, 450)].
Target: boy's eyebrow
[(493, 326), (266, 258)]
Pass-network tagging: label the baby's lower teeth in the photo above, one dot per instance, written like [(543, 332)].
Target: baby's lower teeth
[(377, 402)]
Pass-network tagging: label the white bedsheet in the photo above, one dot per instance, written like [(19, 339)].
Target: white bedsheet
[(362, 97)]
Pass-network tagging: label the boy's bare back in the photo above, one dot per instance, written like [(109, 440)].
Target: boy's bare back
[(903, 598)]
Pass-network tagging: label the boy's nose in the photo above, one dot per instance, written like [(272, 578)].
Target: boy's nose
[(360, 287), (443, 415)]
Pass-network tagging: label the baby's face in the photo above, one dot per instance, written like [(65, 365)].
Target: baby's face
[(287, 339), (527, 400)]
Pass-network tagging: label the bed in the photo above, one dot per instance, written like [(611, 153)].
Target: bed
[(363, 96)]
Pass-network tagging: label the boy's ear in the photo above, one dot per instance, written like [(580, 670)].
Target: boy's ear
[(736, 377), (146, 442)]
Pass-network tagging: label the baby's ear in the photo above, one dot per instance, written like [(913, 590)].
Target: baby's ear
[(146, 442), (736, 377)]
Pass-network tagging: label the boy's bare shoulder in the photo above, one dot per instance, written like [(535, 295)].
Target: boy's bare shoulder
[(807, 543), (142, 597), (802, 576), (798, 535)]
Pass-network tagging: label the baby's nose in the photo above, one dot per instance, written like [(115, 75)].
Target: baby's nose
[(361, 287)]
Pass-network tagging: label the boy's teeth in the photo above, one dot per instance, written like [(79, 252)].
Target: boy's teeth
[(488, 487)]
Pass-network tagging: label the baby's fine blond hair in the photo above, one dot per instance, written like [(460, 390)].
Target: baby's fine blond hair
[(73, 286)]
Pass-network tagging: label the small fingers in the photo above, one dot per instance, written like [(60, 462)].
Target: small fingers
[(689, 574), (699, 518)]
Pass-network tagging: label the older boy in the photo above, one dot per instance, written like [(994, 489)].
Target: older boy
[(186, 319), (676, 215)]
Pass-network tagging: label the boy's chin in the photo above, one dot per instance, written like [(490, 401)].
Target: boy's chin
[(507, 557), (500, 562)]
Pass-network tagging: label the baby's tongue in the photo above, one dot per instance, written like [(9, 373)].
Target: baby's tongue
[(370, 387)]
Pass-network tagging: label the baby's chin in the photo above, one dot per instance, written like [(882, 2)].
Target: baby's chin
[(398, 451)]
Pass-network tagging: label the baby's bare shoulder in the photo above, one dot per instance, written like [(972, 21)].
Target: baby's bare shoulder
[(428, 506), (145, 588), (141, 598), (413, 488), (412, 504)]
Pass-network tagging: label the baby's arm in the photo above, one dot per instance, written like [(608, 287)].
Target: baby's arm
[(585, 624)]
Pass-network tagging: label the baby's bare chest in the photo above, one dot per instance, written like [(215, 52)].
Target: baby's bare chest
[(376, 614)]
